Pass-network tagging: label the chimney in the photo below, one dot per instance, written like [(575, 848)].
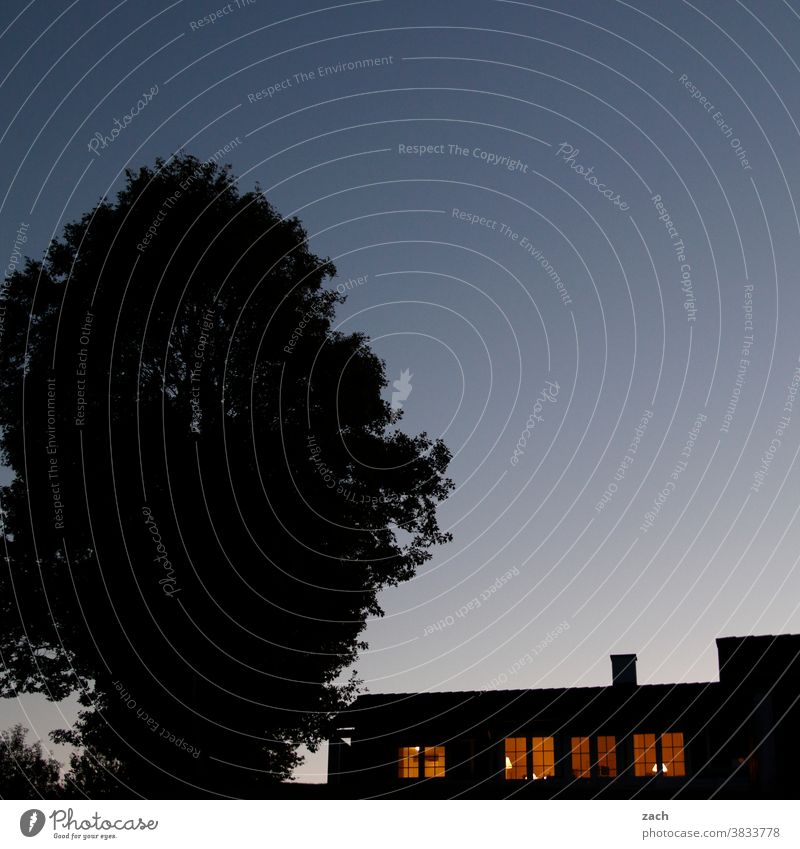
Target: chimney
[(623, 669)]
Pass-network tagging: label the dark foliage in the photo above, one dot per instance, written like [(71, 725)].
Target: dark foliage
[(185, 389), (26, 773)]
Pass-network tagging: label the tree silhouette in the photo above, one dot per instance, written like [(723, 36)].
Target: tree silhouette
[(210, 489), (25, 773)]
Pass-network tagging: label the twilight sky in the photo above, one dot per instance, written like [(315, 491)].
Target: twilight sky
[(573, 223)]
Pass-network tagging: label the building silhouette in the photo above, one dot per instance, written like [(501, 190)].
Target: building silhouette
[(735, 738)]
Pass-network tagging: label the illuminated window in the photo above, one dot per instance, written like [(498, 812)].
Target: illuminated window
[(644, 755), (606, 757), (434, 762), (543, 757), (516, 765), (672, 756), (580, 757), (408, 762)]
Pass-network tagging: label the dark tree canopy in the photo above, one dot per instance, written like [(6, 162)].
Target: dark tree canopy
[(25, 772), (210, 491)]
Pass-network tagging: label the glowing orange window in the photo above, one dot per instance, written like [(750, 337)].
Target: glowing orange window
[(644, 755), (607, 757), (580, 757), (408, 762), (543, 757), (516, 758), (672, 756), (434, 761)]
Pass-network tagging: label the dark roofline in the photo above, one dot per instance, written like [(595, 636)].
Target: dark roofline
[(368, 701)]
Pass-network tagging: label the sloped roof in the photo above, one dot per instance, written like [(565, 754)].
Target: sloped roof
[(382, 713)]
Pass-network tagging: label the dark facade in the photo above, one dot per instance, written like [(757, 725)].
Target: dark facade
[(737, 737)]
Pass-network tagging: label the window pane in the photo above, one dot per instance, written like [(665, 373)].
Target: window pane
[(434, 762), (516, 762), (607, 757), (408, 762), (644, 755), (672, 755), (580, 757), (543, 757)]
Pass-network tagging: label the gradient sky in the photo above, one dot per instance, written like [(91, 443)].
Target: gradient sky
[(697, 103)]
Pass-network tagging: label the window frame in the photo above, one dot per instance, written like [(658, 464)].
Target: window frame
[(408, 764), (437, 762), (545, 750), (648, 757), (607, 754), (518, 762), (664, 766), (674, 760), (419, 765), (537, 754), (581, 757)]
